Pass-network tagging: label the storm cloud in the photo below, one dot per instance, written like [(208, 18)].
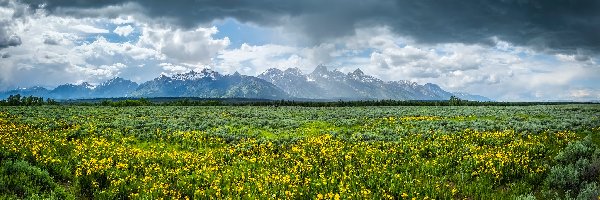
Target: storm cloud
[(546, 25), (7, 40), (509, 50), (7, 17)]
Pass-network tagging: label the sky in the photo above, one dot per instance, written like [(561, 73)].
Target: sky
[(507, 50)]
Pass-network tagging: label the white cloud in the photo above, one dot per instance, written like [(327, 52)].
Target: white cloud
[(416, 62), (55, 50), (250, 59), (581, 93), (59, 49), (502, 72), (123, 20), (123, 30), (51, 37), (194, 47), (103, 49), (88, 29), (255, 59), (172, 69)]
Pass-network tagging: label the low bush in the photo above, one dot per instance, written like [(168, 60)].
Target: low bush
[(577, 171), (18, 179)]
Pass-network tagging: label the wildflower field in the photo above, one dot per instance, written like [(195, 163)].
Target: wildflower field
[(252, 152)]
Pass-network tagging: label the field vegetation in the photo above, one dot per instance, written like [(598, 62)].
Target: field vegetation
[(290, 152)]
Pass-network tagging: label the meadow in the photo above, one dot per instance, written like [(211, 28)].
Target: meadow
[(288, 152)]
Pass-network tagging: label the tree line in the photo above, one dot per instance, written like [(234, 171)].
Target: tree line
[(453, 101), (18, 100)]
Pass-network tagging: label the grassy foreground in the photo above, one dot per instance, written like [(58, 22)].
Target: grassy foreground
[(66, 152)]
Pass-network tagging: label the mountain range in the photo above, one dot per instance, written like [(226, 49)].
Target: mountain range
[(321, 84)]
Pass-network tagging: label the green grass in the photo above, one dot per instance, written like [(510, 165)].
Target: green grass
[(298, 152)]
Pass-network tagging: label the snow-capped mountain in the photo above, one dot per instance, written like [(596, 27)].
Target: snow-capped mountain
[(293, 82), (325, 84), (116, 87), (209, 84), (72, 91), (193, 75), (32, 91), (272, 84)]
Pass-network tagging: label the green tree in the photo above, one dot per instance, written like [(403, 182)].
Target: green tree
[(455, 101), (14, 100)]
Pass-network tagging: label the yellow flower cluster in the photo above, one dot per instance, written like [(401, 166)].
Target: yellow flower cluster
[(193, 164), (315, 159)]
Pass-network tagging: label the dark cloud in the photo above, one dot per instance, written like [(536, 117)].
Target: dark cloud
[(8, 39), (7, 36), (12, 40), (51, 40), (548, 25)]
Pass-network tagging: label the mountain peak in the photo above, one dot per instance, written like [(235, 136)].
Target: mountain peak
[(433, 86), (321, 69), (294, 71), (36, 88), (115, 87), (193, 75), (88, 85), (358, 72), (207, 71), (273, 84), (162, 76), (116, 80), (359, 75), (210, 84), (113, 80), (273, 71)]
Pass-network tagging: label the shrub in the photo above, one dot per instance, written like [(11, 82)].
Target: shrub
[(591, 171), (563, 177), (20, 179), (525, 197), (575, 151), (589, 191), (577, 169)]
